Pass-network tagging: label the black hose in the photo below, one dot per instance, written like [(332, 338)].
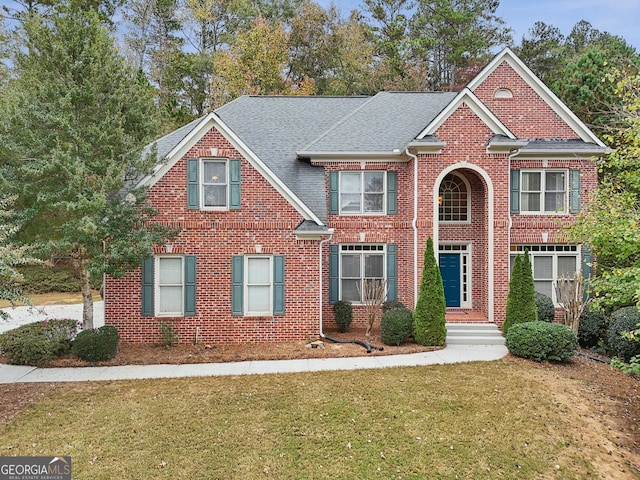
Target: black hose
[(591, 357), (366, 345)]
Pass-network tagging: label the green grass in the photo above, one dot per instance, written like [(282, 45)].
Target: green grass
[(469, 421)]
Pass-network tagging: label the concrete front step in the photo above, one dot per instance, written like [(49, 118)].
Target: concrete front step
[(474, 334)]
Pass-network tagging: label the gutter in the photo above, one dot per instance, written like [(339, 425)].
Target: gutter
[(414, 226)]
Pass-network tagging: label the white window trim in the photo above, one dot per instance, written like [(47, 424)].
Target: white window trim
[(245, 286), (468, 186), (542, 172), (362, 212), (381, 249), (202, 184), (575, 251), (156, 286)]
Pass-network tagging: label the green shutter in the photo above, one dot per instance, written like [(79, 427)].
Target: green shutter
[(147, 287), (234, 184), (237, 281), (189, 286), (193, 184), (278, 285), (334, 258), (392, 193), (333, 193), (392, 273), (515, 191), (574, 191), (587, 261)]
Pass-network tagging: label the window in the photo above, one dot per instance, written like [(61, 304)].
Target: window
[(549, 263), (214, 183), (543, 191), (454, 199), (258, 284), (360, 266), (362, 192), (169, 286)]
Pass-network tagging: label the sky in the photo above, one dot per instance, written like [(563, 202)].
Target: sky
[(618, 17)]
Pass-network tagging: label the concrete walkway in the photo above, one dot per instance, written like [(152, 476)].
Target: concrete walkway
[(450, 354)]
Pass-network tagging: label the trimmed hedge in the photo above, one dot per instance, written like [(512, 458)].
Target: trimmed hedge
[(391, 304), (624, 319), (546, 309), (38, 343), (592, 328), (46, 279), (344, 314), (395, 326), (97, 344), (542, 341)]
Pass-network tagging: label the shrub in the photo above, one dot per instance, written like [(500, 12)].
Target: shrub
[(38, 343), (521, 299), (344, 314), (542, 341), (395, 326), (546, 309), (45, 279), (592, 328), (429, 326), (623, 320), (168, 336), (391, 304), (96, 344)]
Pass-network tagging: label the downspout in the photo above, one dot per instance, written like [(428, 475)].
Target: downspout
[(511, 155), (414, 226), (322, 242)]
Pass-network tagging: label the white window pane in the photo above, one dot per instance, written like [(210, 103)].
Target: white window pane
[(350, 183), (567, 266), (170, 299), (554, 181), (530, 202), (373, 202), (543, 268), (554, 202), (374, 182), (258, 298), (531, 181), (351, 266), (350, 290), (214, 172), (259, 271), (170, 271), (215, 195), (350, 203), (373, 266), (545, 288)]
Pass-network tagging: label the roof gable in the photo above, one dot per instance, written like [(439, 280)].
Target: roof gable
[(570, 118)]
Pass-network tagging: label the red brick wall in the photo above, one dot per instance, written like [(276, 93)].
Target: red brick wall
[(214, 237)]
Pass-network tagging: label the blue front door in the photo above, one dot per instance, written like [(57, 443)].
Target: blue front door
[(450, 271)]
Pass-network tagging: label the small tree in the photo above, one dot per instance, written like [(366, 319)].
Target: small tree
[(571, 293), (521, 299), (429, 317), (375, 291)]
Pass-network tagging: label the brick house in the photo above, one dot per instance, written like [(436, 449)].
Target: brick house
[(287, 204)]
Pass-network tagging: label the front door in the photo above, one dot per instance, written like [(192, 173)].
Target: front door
[(450, 271)]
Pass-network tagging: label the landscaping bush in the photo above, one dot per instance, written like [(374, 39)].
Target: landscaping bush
[(96, 344), (45, 279), (592, 328), (395, 326), (429, 327), (546, 310), (542, 341), (623, 320), (391, 304), (344, 314), (38, 343)]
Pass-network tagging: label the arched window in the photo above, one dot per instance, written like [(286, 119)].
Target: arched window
[(453, 199)]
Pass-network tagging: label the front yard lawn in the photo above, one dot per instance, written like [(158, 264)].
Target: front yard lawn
[(469, 421)]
